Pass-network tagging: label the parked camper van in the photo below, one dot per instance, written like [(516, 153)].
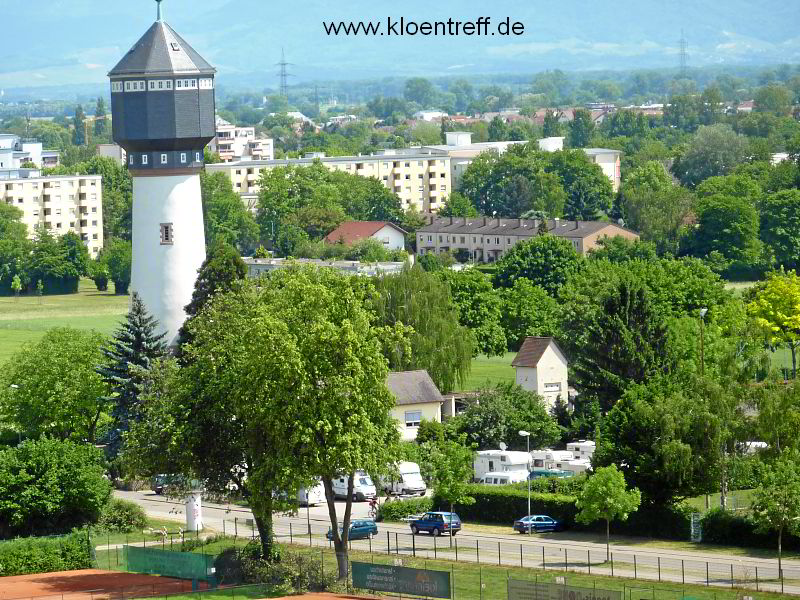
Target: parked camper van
[(363, 488), (407, 481), (487, 461), (312, 496), (503, 477)]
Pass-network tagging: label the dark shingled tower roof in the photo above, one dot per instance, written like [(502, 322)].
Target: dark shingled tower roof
[(161, 51)]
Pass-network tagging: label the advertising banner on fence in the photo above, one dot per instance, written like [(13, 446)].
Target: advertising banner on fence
[(530, 590), (402, 580)]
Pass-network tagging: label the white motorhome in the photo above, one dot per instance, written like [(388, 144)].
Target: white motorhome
[(311, 496), (503, 477), (583, 449), (546, 461), (498, 461), (406, 481), (363, 488)]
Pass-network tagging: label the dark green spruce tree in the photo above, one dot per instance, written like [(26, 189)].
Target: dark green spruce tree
[(134, 347)]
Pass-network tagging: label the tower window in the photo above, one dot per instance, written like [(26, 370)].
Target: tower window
[(130, 159), (163, 159), (179, 82), (144, 159), (166, 234), (197, 156), (183, 157), (175, 47)]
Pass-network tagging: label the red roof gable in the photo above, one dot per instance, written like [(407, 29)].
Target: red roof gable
[(350, 232)]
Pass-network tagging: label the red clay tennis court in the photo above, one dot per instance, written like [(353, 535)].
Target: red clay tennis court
[(89, 584)]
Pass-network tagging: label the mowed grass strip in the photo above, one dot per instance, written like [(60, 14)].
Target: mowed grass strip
[(489, 371), (25, 319)]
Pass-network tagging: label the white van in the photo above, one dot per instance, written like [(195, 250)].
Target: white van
[(363, 488), (407, 480), (503, 477), (312, 496)]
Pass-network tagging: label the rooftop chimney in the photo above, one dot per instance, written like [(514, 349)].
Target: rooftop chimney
[(576, 224)]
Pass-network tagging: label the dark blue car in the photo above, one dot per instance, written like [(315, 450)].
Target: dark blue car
[(537, 524), (437, 523), (359, 530)]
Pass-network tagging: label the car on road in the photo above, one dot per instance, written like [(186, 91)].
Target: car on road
[(437, 523), (537, 524), (359, 530)]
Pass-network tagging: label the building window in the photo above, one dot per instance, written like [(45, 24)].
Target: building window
[(197, 157), (175, 47), (508, 240), (130, 159), (166, 234), (413, 418), (178, 83), (152, 85), (183, 157), (552, 387), (430, 238), (144, 159), (163, 159)]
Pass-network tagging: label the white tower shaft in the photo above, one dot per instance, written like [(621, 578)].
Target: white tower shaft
[(168, 245)]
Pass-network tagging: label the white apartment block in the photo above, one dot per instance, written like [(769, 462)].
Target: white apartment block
[(59, 203), (420, 177), (234, 143), (15, 152)]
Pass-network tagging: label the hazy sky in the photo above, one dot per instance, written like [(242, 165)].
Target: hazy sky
[(56, 42)]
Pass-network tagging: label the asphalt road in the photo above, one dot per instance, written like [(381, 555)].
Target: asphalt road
[(562, 551)]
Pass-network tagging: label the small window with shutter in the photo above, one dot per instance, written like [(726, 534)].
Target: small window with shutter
[(166, 234)]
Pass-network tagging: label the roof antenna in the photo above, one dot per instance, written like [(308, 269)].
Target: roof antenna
[(158, 13)]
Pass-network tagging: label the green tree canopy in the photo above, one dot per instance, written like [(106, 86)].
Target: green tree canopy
[(439, 344), (545, 260), (51, 387), (714, 150), (780, 227), (775, 309), (225, 216), (49, 486), (527, 309), (606, 496), (580, 129), (118, 256)]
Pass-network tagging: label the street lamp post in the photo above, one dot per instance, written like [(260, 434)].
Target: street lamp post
[(527, 436)]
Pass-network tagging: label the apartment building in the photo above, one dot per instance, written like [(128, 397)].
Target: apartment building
[(16, 151), (59, 203), (487, 240), (419, 176), (234, 143)]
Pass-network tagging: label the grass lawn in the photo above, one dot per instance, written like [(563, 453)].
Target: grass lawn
[(27, 318), (496, 369), (737, 499)]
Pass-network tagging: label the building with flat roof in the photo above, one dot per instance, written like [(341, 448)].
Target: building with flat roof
[(420, 177), (487, 239), (234, 143), (16, 151), (59, 203)]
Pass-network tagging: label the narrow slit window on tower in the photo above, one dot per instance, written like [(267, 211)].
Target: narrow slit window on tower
[(166, 234), (163, 159), (197, 157), (144, 159), (183, 157)]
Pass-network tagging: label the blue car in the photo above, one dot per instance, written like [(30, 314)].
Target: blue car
[(437, 523), (359, 530), (537, 524)]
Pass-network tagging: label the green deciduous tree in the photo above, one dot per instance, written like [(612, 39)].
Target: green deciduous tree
[(527, 310), (479, 308), (714, 150), (606, 496), (580, 129), (118, 256), (14, 247), (780, 227), (773, 98), (57, 393), (439, 344), (225, 216), (100, 117), (50, 486), (133, 348), (776, 310), (78, 131), (775, 506), (451, 471), (419, 90), (545, 260), (458, 205), (499, 413)]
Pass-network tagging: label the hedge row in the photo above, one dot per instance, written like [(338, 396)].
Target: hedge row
[(45, 555), (396, 510), (727, 528), (503, 504)]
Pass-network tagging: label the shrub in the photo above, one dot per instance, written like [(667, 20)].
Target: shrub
[(123, 516), (45, 555), (396, 510), (101, 281), (504, 504), (725, 527)]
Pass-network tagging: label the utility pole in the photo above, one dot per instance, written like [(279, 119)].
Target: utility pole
[(683, 55), (284, 74)]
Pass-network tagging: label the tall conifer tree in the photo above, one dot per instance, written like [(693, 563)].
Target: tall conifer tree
[(136, 344)]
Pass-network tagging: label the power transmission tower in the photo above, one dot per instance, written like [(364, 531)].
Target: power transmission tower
[(683, 55), (284, 75)]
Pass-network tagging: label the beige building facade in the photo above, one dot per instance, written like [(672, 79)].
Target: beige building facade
[(541, 367), (486, 240), (417, 399), (419, 178), (58, 203)]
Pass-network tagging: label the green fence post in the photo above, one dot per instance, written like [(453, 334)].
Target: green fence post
[(565, 560), (478, 551), (757, 578), (683, 573), (612, 564), (414, 546), (434, 547), (235, 527), (731, 574), (589, 560), (456, 543), (291, 541), (707, 581), (659, 569), (499, 558), (634, 567), (520, 555)]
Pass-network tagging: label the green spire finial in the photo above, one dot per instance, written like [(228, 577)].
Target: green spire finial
[(158, 14)]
